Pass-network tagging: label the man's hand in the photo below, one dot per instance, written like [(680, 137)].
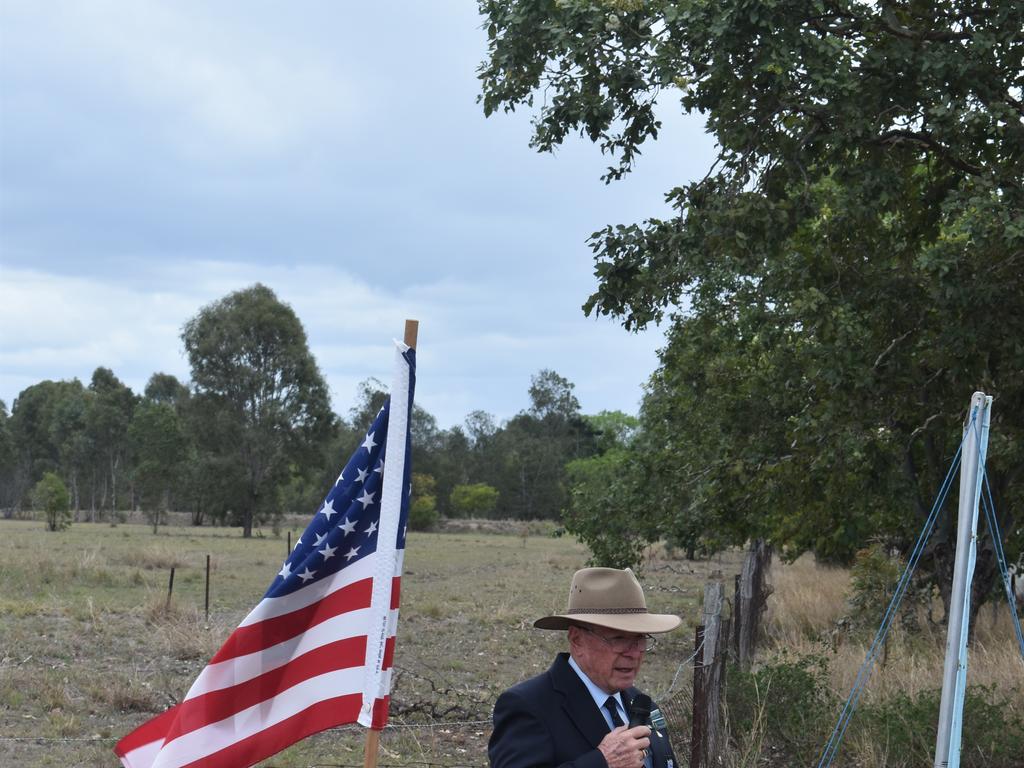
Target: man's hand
[(624, 747)]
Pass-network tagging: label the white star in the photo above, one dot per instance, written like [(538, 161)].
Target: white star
[(328, 509), (286, 571), (306, 575), (328, 552), (347, 526), (366, 499), (373, 527), (297, 544), (341, 478), (368, 443), (319, 539), (352, 553), (362, 475), (380, 467)]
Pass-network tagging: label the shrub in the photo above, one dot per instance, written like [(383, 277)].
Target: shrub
[(873, 580), (789, 699), (602, 509), (423, 513), (51, 495), (475, 500), (993, 727)]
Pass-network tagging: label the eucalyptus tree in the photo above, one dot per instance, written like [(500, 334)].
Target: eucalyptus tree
[(534, 447), (8, 458), (45, 432), (160, 449), (259, 383), (111, 404)]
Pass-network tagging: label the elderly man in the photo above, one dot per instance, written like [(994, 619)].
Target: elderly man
[(584, 711)]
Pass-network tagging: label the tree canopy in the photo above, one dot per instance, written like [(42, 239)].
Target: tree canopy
[(252, 366), (845, 275)]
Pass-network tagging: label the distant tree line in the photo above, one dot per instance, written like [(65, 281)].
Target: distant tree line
[(253, 436)]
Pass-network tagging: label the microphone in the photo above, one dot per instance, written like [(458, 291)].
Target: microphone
[(640, 710)]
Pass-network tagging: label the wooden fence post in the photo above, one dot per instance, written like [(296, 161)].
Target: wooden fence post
[(697, 729), (713, 671), (737, 619), (170, 589), (207, 589), (752, 600)]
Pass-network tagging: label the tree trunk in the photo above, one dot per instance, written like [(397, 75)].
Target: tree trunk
[(248, 514), (113, 485)]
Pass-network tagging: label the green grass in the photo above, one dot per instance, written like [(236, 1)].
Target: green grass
[(88, 650)]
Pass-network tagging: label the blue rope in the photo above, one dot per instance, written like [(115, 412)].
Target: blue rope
[(997, 538), (846, 715)]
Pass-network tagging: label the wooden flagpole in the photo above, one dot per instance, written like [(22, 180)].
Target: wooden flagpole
[(372, 746), (412, 328)]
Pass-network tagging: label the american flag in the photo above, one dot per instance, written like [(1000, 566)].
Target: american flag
[(317, 650)]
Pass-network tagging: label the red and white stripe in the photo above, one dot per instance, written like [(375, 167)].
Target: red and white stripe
[(300, 663), (296, 665)]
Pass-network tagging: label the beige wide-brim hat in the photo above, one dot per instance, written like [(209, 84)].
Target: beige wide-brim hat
[(608, 597)]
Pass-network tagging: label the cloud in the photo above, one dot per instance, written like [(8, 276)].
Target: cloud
[(219, 87), (470, 358), (156, 156)]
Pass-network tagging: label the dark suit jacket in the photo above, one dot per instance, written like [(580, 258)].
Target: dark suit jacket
[(550, 720)]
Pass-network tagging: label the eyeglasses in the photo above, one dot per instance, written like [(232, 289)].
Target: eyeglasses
[(621, 644)]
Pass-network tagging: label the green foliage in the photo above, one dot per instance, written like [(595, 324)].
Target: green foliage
[(161, 449), (423, 513), (534, 448), (826, 283), (232, 455), (790, 700), (166, 389), (473, 500), (788, 705), (993, 727), (51, 495), (108, 415), (46, 426), (606, 509), (874, 576), (613, 429), (252, 366), (8, 457)]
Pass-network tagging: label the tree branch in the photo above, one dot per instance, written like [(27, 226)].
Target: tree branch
[(888, 350), (898, 136)]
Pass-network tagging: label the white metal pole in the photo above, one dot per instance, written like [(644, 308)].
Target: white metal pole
[(954, 673)]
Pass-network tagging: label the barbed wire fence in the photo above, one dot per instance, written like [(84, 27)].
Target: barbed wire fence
[(445, 709)]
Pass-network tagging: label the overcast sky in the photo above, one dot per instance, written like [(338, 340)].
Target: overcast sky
[(155, 156)]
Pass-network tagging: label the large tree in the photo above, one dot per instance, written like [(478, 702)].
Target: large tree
[(844, 276), (160, 449), (535, 446), (111, 404), (252, 368), (8, 463), (46, 430)]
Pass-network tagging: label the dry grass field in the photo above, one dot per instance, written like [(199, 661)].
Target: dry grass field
[(89, 649)]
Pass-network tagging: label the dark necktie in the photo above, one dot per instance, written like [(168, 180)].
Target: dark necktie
[(613, 709)]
